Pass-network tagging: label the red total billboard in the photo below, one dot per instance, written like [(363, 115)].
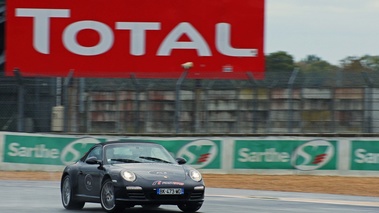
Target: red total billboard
[(147, 38)]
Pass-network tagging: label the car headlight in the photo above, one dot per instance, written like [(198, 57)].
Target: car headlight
[(128, 176), (195, 175)]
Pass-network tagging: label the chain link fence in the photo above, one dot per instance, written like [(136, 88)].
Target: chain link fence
[(296, 102)]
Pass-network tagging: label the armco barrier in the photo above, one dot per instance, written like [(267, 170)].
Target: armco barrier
[(250, 155)]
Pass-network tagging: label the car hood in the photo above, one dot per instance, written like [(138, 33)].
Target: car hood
[(156, 171)]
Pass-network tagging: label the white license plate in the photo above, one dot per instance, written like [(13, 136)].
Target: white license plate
[(170, 191)]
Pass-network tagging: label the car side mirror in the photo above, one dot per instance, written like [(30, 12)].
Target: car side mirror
[(93, 160), (181, 161)]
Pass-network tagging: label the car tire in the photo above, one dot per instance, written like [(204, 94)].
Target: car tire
[(67, 195), (190, 207), (108, 199)]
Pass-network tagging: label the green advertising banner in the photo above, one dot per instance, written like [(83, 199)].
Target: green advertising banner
[(364, 155), (45, 150), (49, 150), (199, 153), (285, 154)]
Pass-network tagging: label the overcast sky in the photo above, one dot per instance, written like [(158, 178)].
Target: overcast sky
[(330, 29)]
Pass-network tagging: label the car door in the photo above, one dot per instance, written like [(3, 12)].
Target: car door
[(90, 175)]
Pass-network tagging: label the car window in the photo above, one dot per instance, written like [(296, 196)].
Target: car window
[(96, 152), (158, 153), (118, 152), (136, 153)]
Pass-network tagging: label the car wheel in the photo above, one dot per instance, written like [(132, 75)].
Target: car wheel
[(192, 207), (67, 195), (151, 206), (107, 197)]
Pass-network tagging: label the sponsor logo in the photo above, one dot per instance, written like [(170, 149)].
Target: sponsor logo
[(73, 151), (138, 30), (159, 173), (312, 155), (270, 155), (88, 182), (38, 151), (362, 156), (160, 183), (199, 153), (126, 34)]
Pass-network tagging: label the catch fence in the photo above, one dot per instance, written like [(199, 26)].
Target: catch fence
[(297, 102)]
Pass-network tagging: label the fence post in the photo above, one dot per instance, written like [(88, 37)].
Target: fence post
[(67, 82), (206, 106), (291, 81), (368, 101), (198, 89), (20, 100), (254, 85), (82, 110), (138, 102)]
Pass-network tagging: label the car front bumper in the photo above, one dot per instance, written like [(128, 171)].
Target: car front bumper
[(137, 195)]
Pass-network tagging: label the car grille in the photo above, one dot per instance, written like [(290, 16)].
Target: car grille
[(138, 195), (197, 195)]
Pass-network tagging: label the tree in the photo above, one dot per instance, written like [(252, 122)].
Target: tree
[(356, 64), (313, 63), (370, 62), (317, 72), (311, 59), (279, 62)]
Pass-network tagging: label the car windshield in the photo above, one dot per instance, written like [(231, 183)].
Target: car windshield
[(137, 153)]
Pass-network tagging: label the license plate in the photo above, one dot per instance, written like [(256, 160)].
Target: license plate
[(170, 191)]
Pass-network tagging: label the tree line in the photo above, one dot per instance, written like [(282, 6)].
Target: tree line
[(281, 61)]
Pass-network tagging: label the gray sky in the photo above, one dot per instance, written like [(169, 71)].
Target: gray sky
[(330, 29)]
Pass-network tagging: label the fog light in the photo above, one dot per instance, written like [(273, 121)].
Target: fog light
[(199, 188), (133, 188)]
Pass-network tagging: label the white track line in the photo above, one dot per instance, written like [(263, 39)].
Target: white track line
[(304, 200), (337, 202)]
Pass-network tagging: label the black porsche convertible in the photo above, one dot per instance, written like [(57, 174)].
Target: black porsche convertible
[(121, 175)]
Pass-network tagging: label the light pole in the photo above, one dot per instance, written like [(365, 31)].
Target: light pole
[(186, 66)]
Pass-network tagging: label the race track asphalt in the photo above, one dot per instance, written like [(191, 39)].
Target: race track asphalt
[(44, 197)]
